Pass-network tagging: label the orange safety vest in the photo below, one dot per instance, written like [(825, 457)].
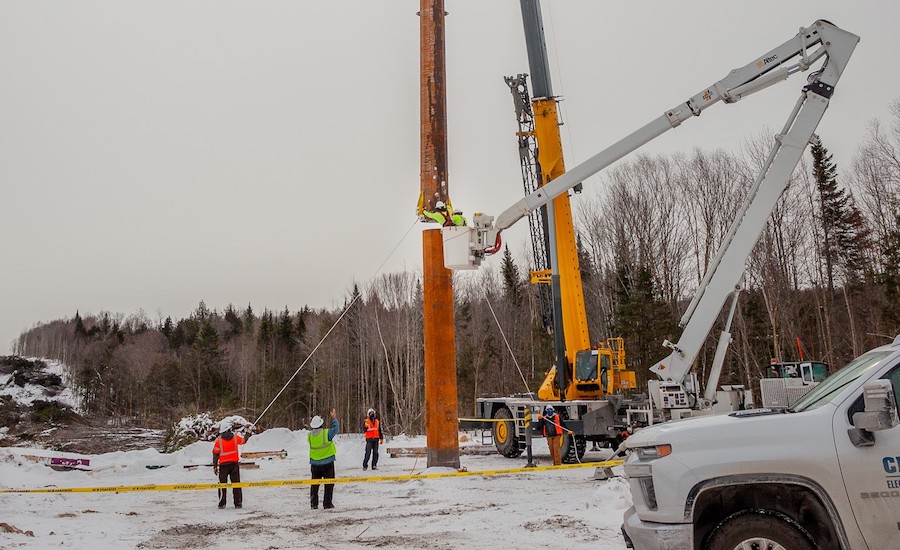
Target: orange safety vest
[(554, 425), (372, 431), (227, 449)]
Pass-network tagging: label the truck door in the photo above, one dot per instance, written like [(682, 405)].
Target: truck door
[(872, 474)]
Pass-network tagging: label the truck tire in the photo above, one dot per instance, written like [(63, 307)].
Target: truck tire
[(765, 529), (568, 449), (505, 434)]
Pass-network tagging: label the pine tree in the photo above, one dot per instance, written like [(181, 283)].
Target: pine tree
[(844, 233), (642, 319), (80, 331), (890, 277), (286, 330), (235, 325), (585, 264), (168, 329), (512, 284), (301, 322), (248, 320)]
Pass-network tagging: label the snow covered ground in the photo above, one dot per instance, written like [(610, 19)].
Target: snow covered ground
[(539, 509)]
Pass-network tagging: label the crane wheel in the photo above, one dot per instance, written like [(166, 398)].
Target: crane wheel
[(505, 439), (569, 450)]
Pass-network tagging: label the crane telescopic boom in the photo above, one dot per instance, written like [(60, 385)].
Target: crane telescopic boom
[(465, 247)]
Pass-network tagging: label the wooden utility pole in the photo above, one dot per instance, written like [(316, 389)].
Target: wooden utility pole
[(441, 415)]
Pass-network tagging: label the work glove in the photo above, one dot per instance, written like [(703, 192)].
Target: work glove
[(382, 440), (216, 469)]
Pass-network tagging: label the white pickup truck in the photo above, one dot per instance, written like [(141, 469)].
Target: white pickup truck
[(822, 474)]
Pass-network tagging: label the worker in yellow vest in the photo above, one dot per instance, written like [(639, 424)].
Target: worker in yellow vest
[(444, 215), (321, 458)]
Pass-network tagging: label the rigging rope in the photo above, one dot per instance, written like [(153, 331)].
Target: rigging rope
[(505, 341), (338, 320)]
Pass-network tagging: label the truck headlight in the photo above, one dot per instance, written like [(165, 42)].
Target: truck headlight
[(656, 451), (640, 471)]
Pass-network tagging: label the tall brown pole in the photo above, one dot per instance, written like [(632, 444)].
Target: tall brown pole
[(441, 414)]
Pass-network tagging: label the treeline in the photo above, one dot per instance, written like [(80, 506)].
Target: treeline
[(823, 281)]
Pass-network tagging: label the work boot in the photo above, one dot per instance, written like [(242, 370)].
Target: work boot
[(366, 467), (238, 505), (374, 467), (221, 506), (329, 506)]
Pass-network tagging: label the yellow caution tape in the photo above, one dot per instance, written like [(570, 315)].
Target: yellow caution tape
[(292, 482)]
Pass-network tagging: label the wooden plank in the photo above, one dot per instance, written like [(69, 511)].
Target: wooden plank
[(62, 461), (422, 451), (244, 465), (265, 454)]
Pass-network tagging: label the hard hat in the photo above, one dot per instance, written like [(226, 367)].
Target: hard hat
[(549, 409), (439, 205), (224, 426), (370, 412), (316, 422)]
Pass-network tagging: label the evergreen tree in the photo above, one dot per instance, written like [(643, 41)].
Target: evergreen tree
[(168, 329), (80, 331), (512, 284), (890, 277), (585, 264), (643, 319), (301, 322), (248, 320), (202, 312), (286, 330), (235, 325), (844, 233)]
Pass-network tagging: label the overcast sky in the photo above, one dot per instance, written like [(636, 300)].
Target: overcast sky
[(155, 154)]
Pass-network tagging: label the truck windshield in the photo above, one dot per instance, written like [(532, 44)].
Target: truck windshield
[(827, 390)]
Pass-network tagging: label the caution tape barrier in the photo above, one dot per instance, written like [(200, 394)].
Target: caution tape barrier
[(294, 482)]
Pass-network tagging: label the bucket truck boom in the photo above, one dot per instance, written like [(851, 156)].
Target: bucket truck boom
[(466, 247)]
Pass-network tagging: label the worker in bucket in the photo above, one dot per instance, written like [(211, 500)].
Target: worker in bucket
[(374, 436), (321, 458), (444, 215), (553, 431), (227, 460)]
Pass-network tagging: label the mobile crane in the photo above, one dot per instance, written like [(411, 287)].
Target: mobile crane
[(466, 247), (582, 372)]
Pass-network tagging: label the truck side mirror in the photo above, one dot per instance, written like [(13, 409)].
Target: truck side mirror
[(880, 413)]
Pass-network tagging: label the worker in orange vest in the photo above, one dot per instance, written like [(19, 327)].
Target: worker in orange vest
[(374, 436), (227, 460), (553, 431)]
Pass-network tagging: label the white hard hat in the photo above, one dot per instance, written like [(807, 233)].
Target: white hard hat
[(550, 410), (370, 411), (439, 204), (224, 426), (316, 422)]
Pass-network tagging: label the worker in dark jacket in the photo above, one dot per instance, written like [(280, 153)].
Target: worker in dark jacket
[(553, 431), (374, 436), (321, 457), (227, 460)]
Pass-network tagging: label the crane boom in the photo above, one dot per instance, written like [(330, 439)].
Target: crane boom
[(797, 54)]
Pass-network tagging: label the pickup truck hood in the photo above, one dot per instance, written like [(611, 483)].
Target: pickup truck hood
[(720, 428)]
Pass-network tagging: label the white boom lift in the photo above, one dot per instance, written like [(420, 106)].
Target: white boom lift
[(465, 247)]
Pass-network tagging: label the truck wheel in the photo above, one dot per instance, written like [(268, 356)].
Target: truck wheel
[(762, 529), (505, 434), (568, 450)]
